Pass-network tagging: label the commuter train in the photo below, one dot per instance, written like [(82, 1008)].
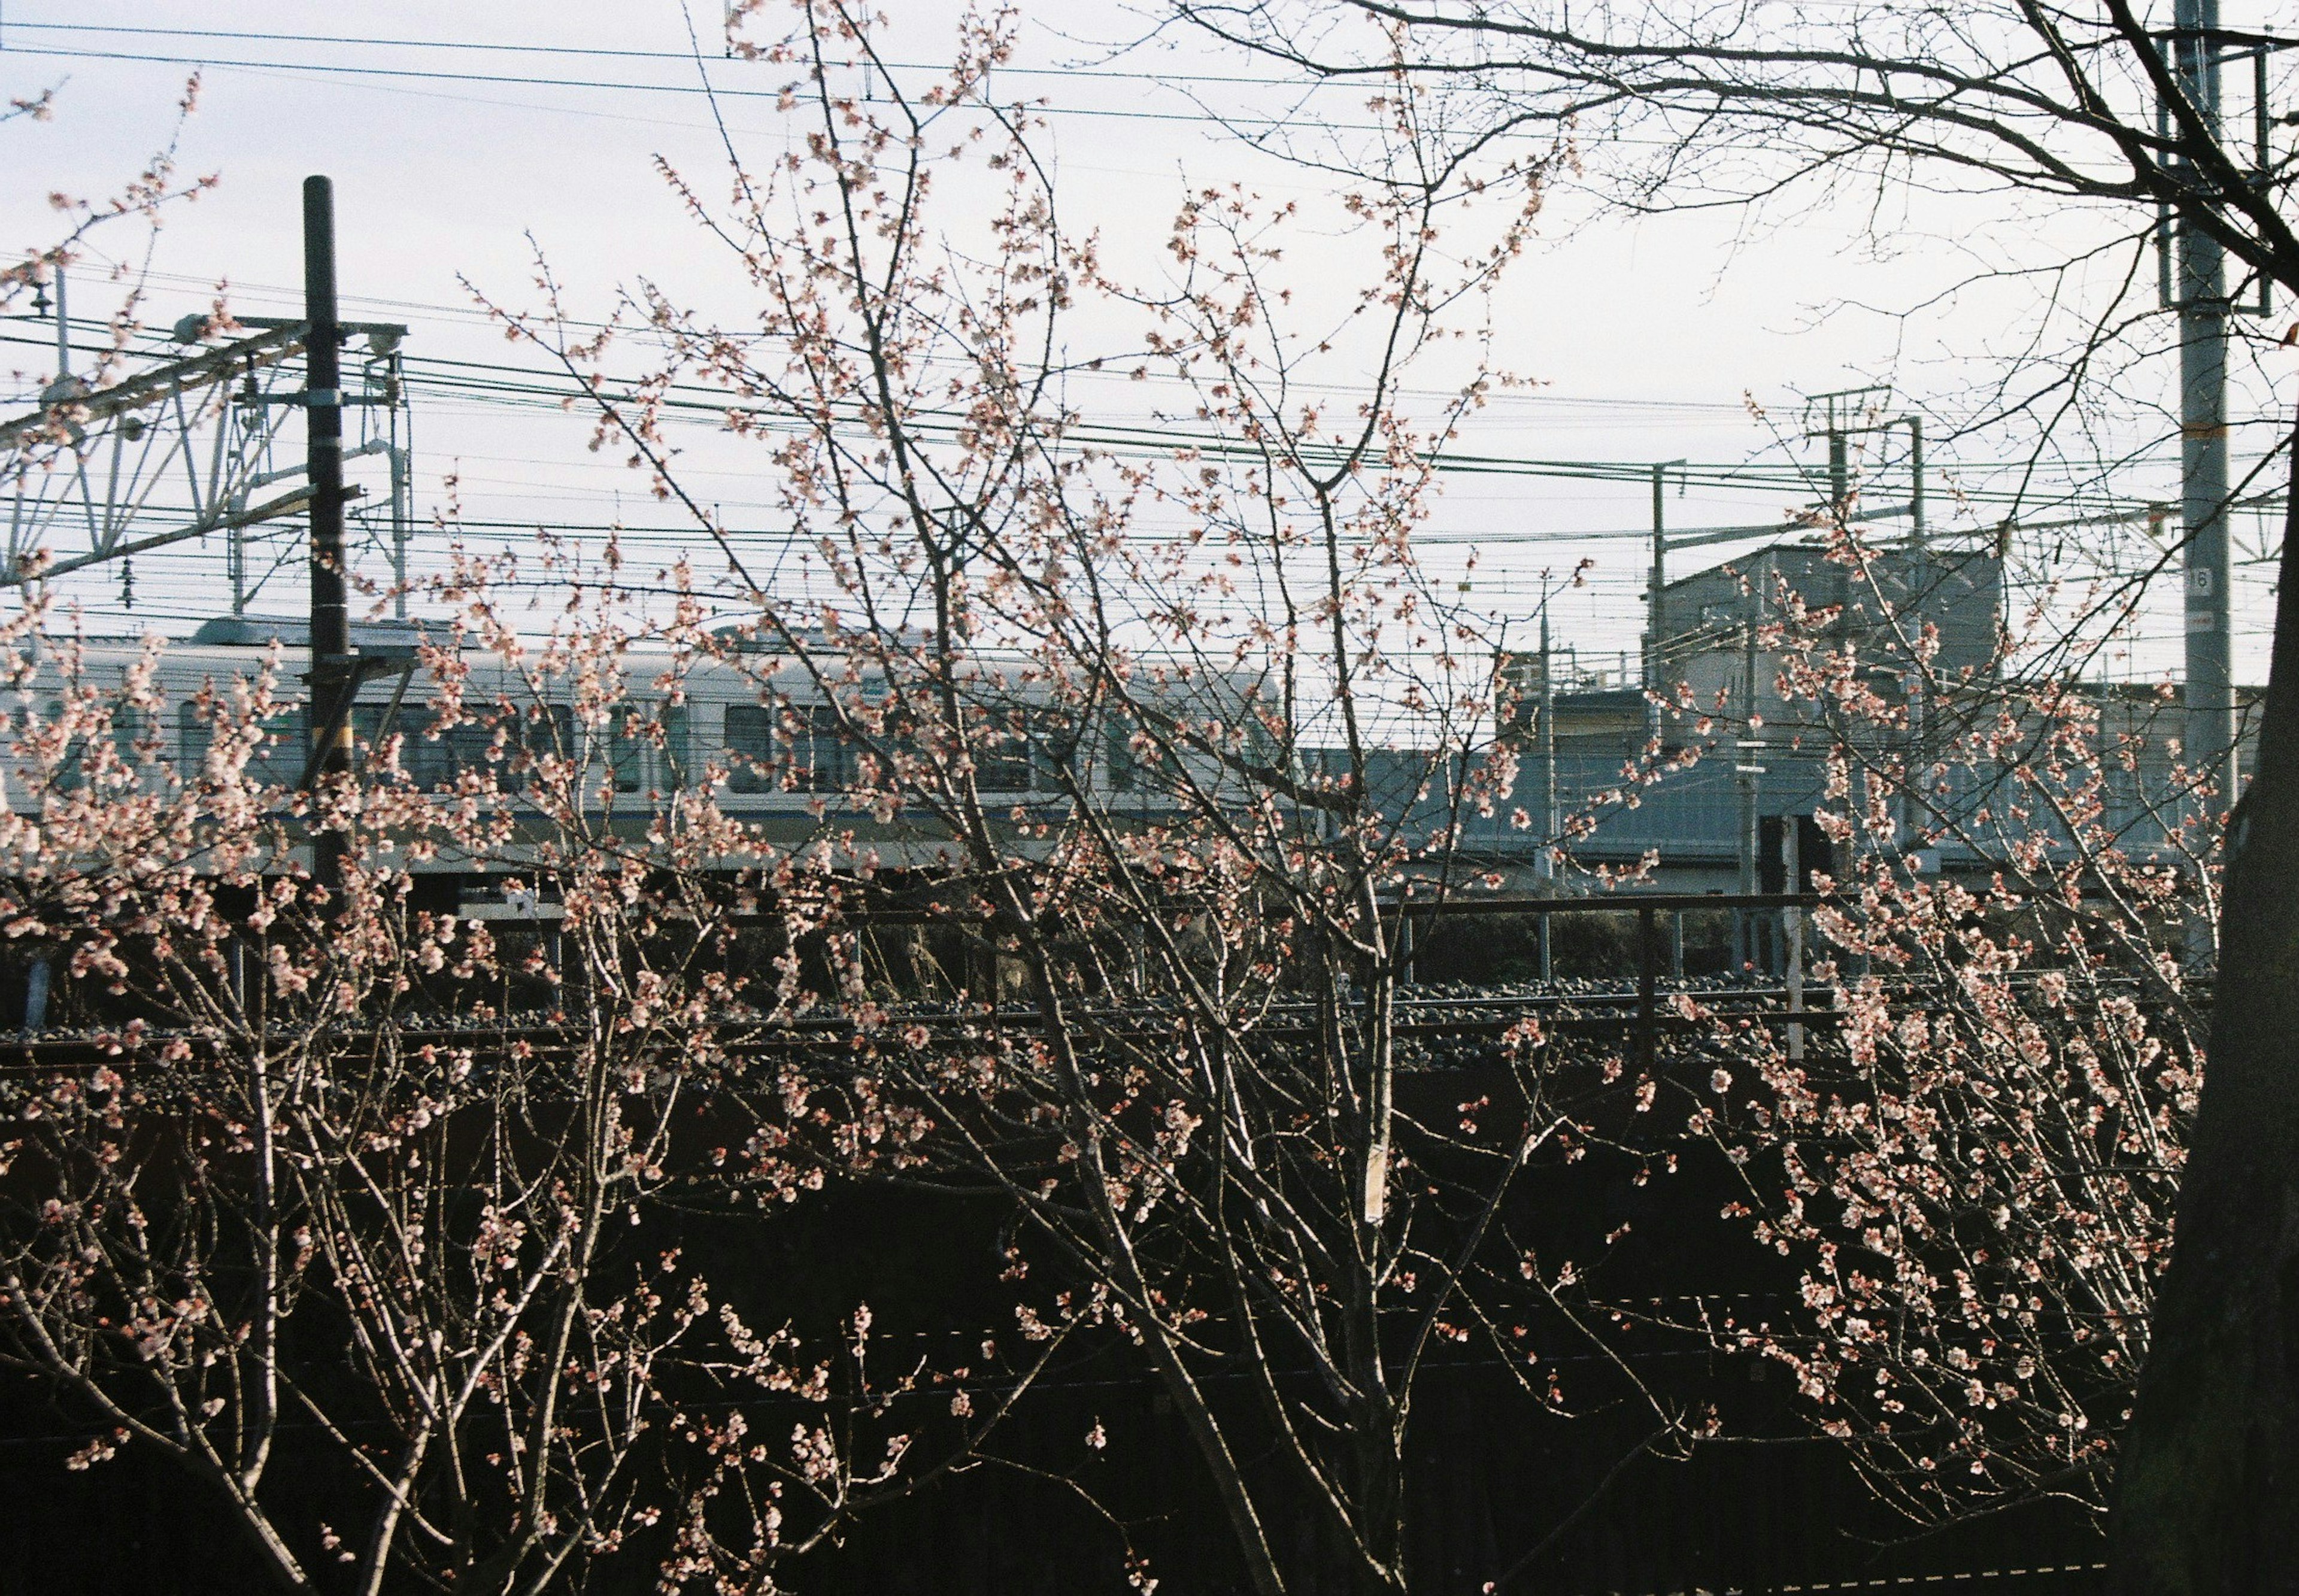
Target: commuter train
[(754, 724)]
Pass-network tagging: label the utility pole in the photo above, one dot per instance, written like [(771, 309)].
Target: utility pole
[(1656, 599), (1655, 603), (1844, 412), (63, 387), (1920, 584), (402, 492), (1746, 770), (331, 660), (1853, 410), (1916, 479), (1792, 926), (1547, 865), (2203, 305)]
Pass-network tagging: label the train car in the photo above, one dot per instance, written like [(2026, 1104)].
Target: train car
[(752, 722)]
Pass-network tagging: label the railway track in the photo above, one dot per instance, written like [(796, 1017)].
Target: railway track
[(1427, 1020)]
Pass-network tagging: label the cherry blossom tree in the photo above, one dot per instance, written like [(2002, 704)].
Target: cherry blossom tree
[(1973, 1173), (2089, 113), (373, 1218), (1160, 734)]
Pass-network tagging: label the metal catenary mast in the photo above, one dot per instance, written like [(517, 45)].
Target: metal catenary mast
[(200, 447)]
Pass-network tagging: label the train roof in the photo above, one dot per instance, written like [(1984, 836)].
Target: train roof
[(380, 639)]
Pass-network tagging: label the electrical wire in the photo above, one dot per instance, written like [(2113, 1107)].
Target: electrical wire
[(685, 57), (547, 389), (490, 386), (541, 389), (710, 91), (1737, 410)]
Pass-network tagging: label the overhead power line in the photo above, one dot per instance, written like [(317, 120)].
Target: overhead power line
[(550, 389), (598, 53), (1719, 408), (543, 389), (469, 377), (684, 90)]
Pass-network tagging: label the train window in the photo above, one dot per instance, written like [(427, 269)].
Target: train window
[(194, 737), (823, 759), (750, 748), (626, 747), (287, 746), (437, 756), (132, 735), (546, 729), (798, 748), (1002, 757), (129, 725), (1155, 767), (1117, 739), (372, 724), (1056, 745), (277, 761)]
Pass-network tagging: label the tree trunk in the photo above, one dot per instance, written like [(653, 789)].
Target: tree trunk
[(2208, 1490), (1380, 1505)]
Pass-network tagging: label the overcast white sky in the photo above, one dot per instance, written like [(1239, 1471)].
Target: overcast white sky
[(1644, 335)]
